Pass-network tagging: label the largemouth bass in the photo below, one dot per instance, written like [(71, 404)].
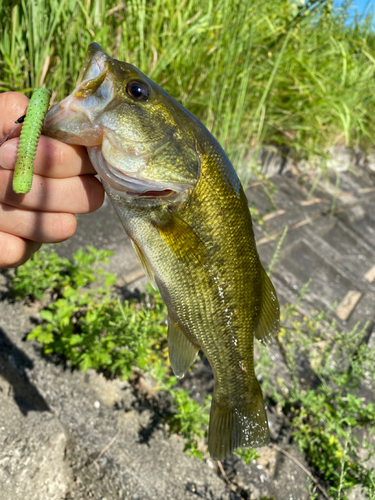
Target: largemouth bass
[(185, 211)]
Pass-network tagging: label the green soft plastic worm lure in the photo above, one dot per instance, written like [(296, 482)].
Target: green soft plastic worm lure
[(30, 133)]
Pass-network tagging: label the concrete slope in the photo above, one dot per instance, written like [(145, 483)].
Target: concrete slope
[(69, 435)]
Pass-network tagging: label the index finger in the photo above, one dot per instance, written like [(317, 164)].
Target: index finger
[(53, 158)]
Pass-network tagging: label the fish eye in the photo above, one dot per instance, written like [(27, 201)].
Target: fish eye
[(138, 90)]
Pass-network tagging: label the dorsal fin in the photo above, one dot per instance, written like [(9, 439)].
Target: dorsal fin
[(269, 320), (144, 263), (182, 352)]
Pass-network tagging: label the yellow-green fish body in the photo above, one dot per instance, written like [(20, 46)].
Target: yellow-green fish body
[(182, 205)]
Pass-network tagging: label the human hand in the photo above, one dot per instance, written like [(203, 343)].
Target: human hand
[(63, 185)]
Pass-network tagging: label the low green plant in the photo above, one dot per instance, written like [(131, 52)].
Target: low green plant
[(92, 329), (248, 455), (326, 414), (88, 326), (190, 420), (46, 272), (276, 255)]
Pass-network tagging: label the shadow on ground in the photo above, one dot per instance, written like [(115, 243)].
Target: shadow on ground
[(13, 363)]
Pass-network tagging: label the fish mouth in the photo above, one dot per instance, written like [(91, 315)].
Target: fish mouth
[(72, 120), (133, 186)]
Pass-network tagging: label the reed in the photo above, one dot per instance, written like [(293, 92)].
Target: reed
[(298, 76)]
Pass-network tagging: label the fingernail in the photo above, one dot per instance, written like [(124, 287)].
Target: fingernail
[(8, 155)]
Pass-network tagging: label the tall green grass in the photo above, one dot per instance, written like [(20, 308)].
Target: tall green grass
[(296, 75)]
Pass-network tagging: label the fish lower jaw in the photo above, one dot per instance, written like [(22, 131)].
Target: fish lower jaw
[(134, 189)]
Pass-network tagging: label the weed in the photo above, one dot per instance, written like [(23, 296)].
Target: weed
[(46, 272), (274, 72), (276, 255), (326, 412), (319, 393), (92, 329), (191, 420), (248, 455), (88, 326), (256, 216)]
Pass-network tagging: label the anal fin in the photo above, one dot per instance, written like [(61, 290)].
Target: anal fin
[(182, 352), (269, 320), (144, 263)]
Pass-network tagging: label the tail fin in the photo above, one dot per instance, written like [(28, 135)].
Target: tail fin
[(231, 426)]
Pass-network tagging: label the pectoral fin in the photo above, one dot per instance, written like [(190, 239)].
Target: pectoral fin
[(269, 321), (182, 239), (144, 263), (182, 352)]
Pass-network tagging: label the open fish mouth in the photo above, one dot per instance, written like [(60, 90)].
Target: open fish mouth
[(132, 186)]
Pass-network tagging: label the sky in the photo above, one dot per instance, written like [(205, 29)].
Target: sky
[(360, 5)]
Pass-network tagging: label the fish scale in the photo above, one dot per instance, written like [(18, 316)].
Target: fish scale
[(181, 203)]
